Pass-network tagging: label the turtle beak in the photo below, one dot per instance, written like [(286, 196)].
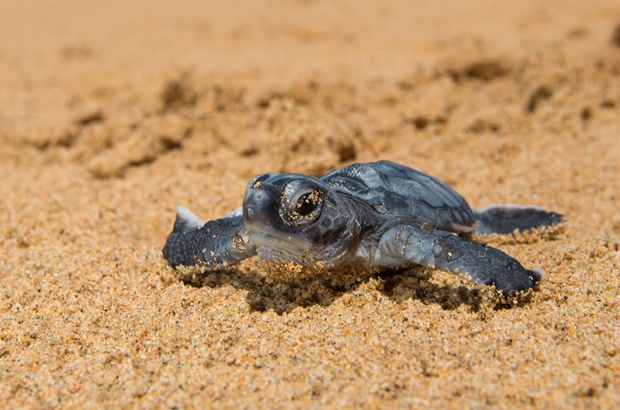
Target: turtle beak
[(258, 206), (262, 219)]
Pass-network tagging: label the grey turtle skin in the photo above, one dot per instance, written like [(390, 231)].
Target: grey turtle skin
[(374, 215)]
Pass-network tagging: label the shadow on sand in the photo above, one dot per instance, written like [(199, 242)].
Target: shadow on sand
[(282, 295)]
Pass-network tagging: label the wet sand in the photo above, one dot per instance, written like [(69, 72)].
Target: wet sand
[(111, 115)]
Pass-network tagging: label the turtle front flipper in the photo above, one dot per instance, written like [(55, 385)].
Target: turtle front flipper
[(215, 244), (446, 251), (507, 218)]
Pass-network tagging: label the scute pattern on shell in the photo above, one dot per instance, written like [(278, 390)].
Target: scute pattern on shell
[(401, 191)]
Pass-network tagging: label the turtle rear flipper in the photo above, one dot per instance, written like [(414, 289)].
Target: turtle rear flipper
[(214, 245), (506, 218), (443, 250)]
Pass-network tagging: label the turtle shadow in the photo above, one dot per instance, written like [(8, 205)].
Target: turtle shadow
[(415, 284), (283, 295)]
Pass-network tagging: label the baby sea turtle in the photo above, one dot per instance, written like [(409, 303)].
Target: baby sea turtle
[(375, 215)]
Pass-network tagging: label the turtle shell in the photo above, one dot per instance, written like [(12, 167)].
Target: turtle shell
[(398, 190)]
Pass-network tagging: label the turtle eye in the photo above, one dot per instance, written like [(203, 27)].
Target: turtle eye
[(301, 206), (306, 204)]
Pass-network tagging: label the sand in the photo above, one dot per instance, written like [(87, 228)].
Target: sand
[(113, 113)]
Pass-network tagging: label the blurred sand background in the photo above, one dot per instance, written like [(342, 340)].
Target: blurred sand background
[(113, 113)]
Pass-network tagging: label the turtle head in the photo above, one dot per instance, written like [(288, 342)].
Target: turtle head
[(293, 218)]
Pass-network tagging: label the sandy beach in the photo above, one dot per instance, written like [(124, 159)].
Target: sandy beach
[(113, 113)]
